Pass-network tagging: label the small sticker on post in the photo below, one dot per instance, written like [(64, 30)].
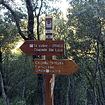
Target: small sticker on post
[(47, 71), (31, 45)]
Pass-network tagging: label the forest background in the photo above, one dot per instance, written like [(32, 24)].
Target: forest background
[(83, 30)]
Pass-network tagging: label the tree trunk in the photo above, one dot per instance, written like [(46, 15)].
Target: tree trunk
[(103, 56), (5, 98), (38, 34), (72, 97)]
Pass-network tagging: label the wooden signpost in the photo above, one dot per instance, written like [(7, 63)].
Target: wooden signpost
[(49, 66)]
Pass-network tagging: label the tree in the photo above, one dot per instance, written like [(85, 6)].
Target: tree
[(85, 21), (4, 39)]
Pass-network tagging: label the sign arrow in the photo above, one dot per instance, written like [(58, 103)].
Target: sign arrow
[(28, 47), (43, 47), (61, 67)]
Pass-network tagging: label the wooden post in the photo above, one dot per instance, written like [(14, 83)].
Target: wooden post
[(49, 79), (48, 92)]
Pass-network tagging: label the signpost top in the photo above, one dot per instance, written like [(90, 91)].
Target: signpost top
[(48, 27), (48, 23)]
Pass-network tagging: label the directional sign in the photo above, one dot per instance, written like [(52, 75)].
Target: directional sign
[(48, 47), (62, 67)]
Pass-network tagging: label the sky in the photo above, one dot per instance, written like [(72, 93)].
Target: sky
[(62, 4)]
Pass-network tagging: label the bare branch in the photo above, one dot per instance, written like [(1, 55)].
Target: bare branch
[(40, 7)]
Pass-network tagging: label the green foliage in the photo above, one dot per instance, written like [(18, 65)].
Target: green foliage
[(1, 101), (20, 80), (18, 101), (86, 30)]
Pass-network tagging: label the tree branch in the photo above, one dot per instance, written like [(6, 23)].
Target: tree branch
[(15, 18), (30, 19), (40, 7)]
